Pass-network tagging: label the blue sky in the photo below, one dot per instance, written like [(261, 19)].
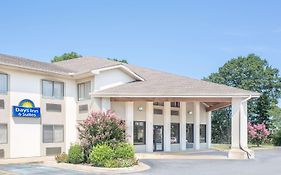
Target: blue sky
[(190, 38)]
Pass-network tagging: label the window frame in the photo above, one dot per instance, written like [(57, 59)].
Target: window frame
[(53, 134), (175, 104), (144, 129), (7, 134), (7, 84), (205, 133), (178, 131), (53, 89), (78, 94)]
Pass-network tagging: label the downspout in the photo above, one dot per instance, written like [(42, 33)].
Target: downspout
[(240, 134)]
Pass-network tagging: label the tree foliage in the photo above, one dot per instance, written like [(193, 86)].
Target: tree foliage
[(249, 73), (118, 60), (66, 56)]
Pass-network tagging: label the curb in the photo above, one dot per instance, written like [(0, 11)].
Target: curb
[(90, 169)]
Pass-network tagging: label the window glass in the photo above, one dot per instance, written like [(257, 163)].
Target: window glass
[(139, 133), (3, 134), (175, 133), (158, 103), (189, 133), (58, 89), (58, 134), (52, 89), (175, 104), (3, 83), (202, 133), (47, 133), (173, 112), (84, 90)]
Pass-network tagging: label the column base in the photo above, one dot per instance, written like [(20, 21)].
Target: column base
[(236, 153)]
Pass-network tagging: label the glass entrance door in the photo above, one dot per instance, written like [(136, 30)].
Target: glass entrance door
[(158, 138)]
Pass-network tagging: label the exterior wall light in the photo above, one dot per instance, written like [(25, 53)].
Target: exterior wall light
[(140, 108), (189, 112)]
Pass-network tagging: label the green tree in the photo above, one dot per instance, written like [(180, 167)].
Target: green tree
[(275, 113), (66, 56), (118, 60), (250, 73)]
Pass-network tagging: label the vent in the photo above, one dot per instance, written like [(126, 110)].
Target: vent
[(158, 111), (2, 153), (83, 108), (53, 151), (53, 107), (173, 112), (2, 104)]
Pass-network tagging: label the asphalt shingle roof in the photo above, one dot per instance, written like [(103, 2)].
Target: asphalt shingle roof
[(157, 83)]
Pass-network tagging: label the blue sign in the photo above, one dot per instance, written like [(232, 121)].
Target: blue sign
[(26, 108)]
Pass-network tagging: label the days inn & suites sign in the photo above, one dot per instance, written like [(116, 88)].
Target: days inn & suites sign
[(26, 108)]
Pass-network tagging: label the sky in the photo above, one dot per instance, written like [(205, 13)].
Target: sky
[(192, 38)]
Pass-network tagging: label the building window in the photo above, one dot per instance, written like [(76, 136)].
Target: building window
[(139, 133), (175, 133), (52, 89), (158, 103), (189, 133), (158, 111), (173, 112), (3, 83), (175, 104), (203, 133), (84, 90), (3, 134), (53, 133)]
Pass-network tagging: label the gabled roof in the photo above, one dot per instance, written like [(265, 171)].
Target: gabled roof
[(155, 84)]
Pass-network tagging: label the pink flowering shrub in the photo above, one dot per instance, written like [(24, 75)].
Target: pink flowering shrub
[(100, 128), (257, 133)]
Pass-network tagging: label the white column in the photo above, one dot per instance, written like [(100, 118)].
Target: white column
[(167, 126), (129, 119), (239, 132), (209, 130), (105, 104), (183, 126), (149, 126), (244, 125), (235, 123), (196, 145)]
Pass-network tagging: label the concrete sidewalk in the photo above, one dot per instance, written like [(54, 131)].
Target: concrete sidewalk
[(192, 155), (26, 160)]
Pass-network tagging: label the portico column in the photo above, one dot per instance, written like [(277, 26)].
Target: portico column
[(239, 132), (129, 119), (196, 125), (105, 104), (209, 130), (167, 126), (149, 126), (183, 126)]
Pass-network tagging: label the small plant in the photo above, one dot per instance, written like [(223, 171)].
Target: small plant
[(123, 150), (75, 154), (277, 139), (101, 154), (61, 158), (120, 163), (257, 133)]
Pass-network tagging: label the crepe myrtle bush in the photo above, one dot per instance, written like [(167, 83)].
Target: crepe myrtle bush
[(101, 127), (257, 133)]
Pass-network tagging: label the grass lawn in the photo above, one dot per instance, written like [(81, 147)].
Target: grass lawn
[(226, 147)]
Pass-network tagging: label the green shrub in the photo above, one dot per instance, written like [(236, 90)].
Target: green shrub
[(123, 150), (277, 139), (119, 163), (75, 154), (61, 158), (100, 154)]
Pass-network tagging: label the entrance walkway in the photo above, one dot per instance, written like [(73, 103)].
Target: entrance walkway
[(199, 155)]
